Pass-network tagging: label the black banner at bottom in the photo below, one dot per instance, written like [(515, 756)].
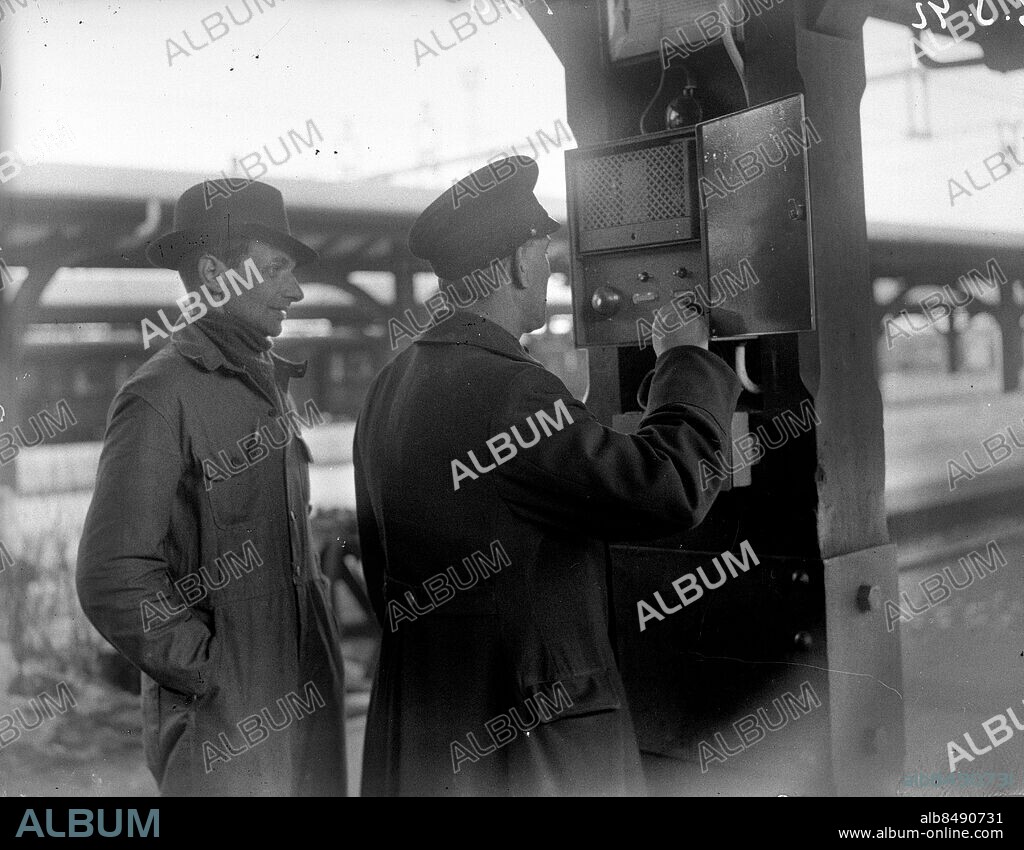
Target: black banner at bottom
[(144, 821)]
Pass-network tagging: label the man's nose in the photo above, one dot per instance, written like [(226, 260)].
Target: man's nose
[(294, 290)]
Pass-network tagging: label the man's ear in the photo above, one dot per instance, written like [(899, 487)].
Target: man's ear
[(208, 268)]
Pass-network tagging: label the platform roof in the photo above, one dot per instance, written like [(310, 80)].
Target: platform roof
[(90, 216)]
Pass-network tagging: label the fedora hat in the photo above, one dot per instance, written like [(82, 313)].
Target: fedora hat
[(205, 216)]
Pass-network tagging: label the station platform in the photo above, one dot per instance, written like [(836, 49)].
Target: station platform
[(961, 659), (930, 421)]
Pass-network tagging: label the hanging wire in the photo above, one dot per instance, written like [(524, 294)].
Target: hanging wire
[(729, 39), (657, 94)]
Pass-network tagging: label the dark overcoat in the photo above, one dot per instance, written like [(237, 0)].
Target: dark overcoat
[(196, 563), (488, 570)]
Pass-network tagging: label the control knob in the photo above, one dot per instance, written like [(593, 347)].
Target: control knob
[(606, 301)]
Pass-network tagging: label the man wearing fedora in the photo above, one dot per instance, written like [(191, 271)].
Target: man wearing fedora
[(196, 560), (486, 494)]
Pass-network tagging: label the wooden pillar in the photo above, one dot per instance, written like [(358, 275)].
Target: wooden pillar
[(9, 348), (838, 365), (15, 314), (1010, 335), (405, 296), (953, 359), (815, 508)]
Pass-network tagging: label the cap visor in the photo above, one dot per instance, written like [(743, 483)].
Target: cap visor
[(550, 226)]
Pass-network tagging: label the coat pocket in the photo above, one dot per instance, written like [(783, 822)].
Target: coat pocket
[(237, 499), (167, 736), (574, 696)]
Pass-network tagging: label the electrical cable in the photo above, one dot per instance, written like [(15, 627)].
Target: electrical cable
[(729, 40), (657, 94), (741, 370)]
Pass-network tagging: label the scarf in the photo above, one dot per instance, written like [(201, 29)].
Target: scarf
[(244, 347)]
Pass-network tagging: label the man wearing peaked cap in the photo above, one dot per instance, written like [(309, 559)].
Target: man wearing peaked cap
[(486, 215), (486, 495), (196, 561), (466, 232)]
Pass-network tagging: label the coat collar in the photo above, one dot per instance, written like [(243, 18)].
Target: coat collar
[(465, 328), (196, 346)]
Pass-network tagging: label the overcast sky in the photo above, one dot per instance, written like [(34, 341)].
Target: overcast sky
[(107, 77), (130, 98)]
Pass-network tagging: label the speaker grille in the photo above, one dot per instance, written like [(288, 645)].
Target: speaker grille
[(634, 187)]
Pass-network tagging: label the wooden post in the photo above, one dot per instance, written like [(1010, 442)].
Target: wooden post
[(816, 507)]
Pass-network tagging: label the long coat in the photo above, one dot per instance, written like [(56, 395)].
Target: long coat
[(196, 564), (496, 672)]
